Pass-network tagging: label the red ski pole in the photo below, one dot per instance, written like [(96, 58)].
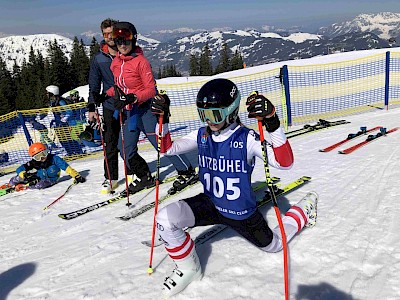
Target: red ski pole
[(160, 126), (277, 211)]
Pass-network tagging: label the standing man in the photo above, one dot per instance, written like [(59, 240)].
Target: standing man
[(101, 75)]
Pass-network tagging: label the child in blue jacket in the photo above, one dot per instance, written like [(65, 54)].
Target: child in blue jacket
[(43, 170)]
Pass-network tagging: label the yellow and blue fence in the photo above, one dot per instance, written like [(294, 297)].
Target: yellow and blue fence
[(301, 94)]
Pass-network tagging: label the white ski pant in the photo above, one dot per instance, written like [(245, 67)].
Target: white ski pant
[(174, 217)]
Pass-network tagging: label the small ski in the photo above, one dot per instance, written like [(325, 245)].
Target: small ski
[(351, 136), (321, 124), (80, 212), (143, 209), (369, 139), (205, 236), (6, 191)]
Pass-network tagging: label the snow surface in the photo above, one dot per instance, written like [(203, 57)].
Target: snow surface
[(352, 252)]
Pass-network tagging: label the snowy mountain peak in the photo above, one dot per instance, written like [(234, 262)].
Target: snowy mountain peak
[(14, 49), (385, 25)]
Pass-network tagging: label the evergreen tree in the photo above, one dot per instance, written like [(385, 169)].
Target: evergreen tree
[(159, 73), (94, 48), (79, 64), (164, 72), (237, 61), (194, 67), (205, 62), (169, 71), (224, 64), (59, 69), (36, 85), (30, 82), (7, 90), (23, 85)]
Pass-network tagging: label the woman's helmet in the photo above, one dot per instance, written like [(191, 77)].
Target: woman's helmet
[(124, 31), (217, 101)]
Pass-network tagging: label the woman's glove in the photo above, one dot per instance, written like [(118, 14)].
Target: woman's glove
[(121, 99), (160, 106)]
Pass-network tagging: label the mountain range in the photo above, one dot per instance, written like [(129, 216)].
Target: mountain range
[(366, 31)]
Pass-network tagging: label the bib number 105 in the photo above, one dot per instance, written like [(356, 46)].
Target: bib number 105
[(218, 187)]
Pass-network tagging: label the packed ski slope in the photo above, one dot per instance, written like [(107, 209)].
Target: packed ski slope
[(352, 252)]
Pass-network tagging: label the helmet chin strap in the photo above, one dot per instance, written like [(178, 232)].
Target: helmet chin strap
[(226, 125)]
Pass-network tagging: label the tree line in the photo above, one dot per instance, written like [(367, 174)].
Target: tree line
[(200, 65), (24, 87)]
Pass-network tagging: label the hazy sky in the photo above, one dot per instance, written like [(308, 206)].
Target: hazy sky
[(75, 17)]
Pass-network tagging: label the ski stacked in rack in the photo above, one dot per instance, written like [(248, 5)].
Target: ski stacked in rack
[(321, 124), (216, 229), (351, 136), (121, 196), (143, 209), (369, 139)]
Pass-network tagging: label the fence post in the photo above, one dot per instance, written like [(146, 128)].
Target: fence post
[(285, 77), (387, 72), (26, 132)]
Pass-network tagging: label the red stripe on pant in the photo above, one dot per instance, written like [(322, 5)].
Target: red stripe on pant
[(172, 251), (296, 217)]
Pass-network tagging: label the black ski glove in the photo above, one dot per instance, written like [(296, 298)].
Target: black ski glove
[(95, 125), (79, 179), (91, 107), (99, 98), (160, 106), (31, 179), (261, 108), (121, 99)]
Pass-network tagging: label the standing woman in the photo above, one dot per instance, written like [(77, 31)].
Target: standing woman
[(134, 89)]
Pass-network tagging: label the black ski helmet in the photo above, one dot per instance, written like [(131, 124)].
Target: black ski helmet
[(221, 94), (127, 26)]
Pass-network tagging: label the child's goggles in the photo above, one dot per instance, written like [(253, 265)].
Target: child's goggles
[(40, 155), (217, 115), (214, 115)]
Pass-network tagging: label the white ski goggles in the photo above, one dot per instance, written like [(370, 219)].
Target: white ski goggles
[(217, 115), (40, 155)]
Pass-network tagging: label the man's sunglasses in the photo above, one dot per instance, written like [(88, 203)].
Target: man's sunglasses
[(107, 35)]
